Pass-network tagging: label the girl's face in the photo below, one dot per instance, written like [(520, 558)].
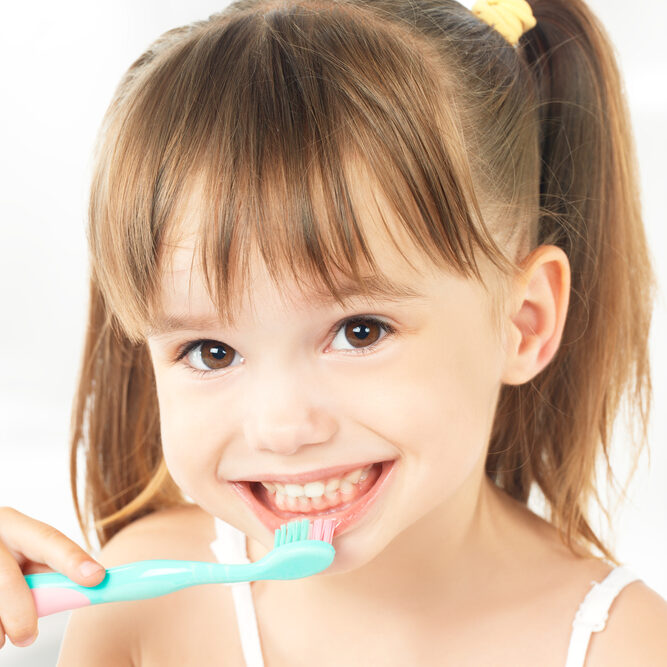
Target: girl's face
[(302, 385)]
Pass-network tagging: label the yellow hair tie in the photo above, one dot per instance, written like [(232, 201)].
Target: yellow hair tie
[(511, 18)]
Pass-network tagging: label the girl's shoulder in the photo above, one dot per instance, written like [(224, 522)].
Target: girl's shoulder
[(184, 627), (183, 527), (635, 631), (545, 585), (532, 622)]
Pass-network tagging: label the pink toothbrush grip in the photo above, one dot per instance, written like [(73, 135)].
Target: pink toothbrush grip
[(52, 600)]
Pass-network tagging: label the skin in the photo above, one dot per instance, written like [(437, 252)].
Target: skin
[(298, 399)]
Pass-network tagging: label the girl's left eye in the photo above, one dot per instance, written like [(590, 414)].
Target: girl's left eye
[(361, 332), (357, 331)]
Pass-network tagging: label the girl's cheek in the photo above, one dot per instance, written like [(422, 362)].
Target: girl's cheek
[(185, 433), (177, 467)]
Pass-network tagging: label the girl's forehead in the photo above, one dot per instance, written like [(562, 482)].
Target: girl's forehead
[(184, 289)]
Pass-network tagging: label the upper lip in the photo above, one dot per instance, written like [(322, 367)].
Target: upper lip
[(305, 477)]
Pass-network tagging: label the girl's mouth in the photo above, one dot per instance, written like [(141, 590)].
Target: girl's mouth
[(346, 502)]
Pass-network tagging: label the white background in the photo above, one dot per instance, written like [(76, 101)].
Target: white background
[(60, 64)]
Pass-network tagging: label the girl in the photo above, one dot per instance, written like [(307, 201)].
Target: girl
[(383, 260)]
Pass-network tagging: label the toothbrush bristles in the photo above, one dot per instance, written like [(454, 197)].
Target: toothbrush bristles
[(295, 531), (322, 529)]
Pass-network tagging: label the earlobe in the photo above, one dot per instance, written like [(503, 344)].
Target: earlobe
[(541, 297)]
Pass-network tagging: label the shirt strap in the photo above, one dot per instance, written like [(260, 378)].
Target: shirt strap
[(593, 612)]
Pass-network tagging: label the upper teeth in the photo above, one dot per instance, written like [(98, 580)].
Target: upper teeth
[(319, 488)]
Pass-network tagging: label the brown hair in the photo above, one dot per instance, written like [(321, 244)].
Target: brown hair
[(478, 146)]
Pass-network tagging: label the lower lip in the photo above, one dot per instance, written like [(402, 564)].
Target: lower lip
[(345, 517)]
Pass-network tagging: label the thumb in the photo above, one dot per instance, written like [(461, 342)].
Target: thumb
[(87, 572)]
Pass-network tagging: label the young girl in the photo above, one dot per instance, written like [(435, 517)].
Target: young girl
[(382, 261)]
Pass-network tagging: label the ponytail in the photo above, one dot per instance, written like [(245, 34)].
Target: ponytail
[(590, 207)]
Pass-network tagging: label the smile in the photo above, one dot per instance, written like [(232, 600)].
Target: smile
[(346, 499)]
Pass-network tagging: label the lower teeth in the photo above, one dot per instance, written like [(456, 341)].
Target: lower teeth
[(310, 505)]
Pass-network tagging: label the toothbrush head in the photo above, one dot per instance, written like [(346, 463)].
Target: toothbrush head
[(301, 549), (295, 531)]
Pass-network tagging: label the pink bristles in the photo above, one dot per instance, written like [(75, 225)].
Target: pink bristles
[(323, 529)]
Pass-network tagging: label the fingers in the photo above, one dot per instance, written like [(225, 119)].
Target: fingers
[(23, 539), (43, 544), (17, 608)]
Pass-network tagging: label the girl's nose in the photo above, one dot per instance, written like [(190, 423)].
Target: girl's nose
[(285, 416)]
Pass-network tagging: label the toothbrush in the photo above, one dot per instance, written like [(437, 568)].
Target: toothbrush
[(299, 550)]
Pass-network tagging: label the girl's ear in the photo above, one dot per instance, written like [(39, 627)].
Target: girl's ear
[(540, 299)]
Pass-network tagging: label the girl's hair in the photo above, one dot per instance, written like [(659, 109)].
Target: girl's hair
[(265, 110)]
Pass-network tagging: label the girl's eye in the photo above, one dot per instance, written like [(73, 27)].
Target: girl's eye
[(209, 354), (361, 333)]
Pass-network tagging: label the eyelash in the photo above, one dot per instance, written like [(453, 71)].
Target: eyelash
[(191, 345)]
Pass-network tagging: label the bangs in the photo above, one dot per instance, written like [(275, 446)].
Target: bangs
[(267, 132)]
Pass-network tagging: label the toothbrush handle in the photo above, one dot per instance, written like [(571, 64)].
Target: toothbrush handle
[(52, 600), (54, 592)]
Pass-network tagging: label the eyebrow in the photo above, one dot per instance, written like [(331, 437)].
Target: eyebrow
[(379, 290)]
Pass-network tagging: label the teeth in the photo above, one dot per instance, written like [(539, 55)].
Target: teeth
[(346, 487), (332, 496), (332, 486), (293, 490), (290, 493), (354, 476), (314, 489)]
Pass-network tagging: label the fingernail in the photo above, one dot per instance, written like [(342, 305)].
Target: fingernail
[(26, 642), (89, 568)]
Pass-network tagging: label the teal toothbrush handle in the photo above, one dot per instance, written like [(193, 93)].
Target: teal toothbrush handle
[(54, 592)]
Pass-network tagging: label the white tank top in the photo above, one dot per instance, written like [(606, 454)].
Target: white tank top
[(230, 547)]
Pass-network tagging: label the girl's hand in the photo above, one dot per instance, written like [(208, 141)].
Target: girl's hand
[(28, 546)]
